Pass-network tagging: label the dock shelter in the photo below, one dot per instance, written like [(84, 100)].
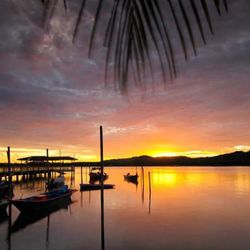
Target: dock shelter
[(44, 159)]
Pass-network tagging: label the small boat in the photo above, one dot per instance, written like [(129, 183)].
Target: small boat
[(95, 175), (43, 201), (131, 178), (89, 187)]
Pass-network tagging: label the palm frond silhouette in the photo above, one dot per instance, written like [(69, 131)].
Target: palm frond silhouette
[(136, 27)]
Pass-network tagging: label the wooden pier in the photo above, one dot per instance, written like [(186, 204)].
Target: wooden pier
[(25, 171)]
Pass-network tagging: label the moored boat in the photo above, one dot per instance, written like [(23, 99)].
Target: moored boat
[(43, 201), (131, 178), (95, 175)]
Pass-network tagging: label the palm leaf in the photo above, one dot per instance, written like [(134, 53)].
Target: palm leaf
[(135, 28)]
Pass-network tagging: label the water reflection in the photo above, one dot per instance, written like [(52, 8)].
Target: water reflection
[(164, 177), (24, 219), (3, 216), (172, 208)]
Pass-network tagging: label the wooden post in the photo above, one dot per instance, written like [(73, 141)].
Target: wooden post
[(101, 151), (9, 173), (49, 175), (81, 174), (102, 191)]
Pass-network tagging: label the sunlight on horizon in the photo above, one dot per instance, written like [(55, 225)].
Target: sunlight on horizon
[(93, 155)]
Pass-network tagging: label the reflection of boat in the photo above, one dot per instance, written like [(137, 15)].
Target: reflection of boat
[(43, 201), (3, 216), (24, 219), (3, 206), (89, 187), (4, 189), (95, 175), (131, 178)]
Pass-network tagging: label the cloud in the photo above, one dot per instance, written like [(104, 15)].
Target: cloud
[(52, 95)]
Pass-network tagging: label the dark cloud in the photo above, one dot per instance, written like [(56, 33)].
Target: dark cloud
[(52, 94)]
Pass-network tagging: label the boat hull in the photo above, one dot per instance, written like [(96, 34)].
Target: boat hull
[(26, 206)]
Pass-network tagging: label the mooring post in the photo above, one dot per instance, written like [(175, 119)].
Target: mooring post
[(9, 173), (102, 191), (49, 174)]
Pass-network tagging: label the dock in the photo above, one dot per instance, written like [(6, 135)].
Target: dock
[(37, 167)]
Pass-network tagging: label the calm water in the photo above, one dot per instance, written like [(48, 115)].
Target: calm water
[(189, 208)]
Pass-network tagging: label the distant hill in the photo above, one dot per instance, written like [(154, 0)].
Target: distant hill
[(237, 158)]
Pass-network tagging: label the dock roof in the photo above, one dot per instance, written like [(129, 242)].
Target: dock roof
[(45, 158)]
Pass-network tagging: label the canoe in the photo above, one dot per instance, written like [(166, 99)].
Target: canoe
[(43, 201), (89, 187)]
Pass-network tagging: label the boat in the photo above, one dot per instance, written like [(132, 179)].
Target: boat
[(89, 187), (96, 175), (43, 201), (131, 178)]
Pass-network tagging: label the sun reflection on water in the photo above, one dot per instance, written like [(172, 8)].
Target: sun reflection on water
[(164, 177)]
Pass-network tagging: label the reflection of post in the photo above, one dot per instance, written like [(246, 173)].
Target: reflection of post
[(71, 178), (149, 186), (102, 192), (10, 195), (81, 198), (142, 195), (9, 227), (89, 197), (47, 232)]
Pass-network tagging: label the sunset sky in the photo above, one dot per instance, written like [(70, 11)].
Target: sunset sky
[(53, 96)]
